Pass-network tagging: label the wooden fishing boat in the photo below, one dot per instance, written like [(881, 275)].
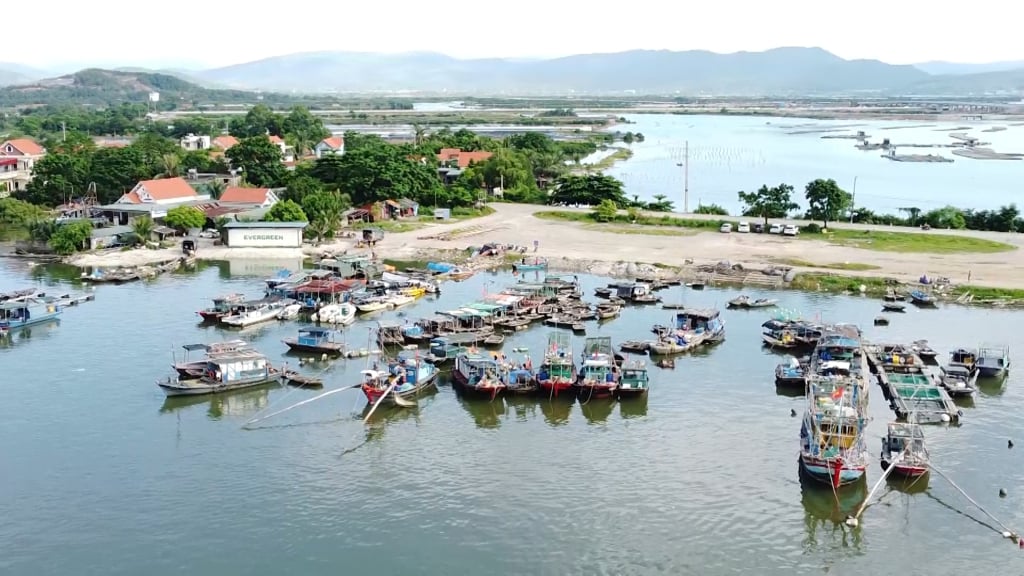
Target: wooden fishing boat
[(250, 313), (668, 363), (405, 377), (778, 334), (922, 299), (604, 292), (881, 321), (316, 340), (299, 380), (746, 302), (221, 307), (693, 328), (958, 380), (891, 295), (520, 379), (478, 375), (925, 352), (695, 285), (530, 265), (635, 346), (188, 368), (599, 375), (903, 449), (791, 374), (494, 340), (607, 311), (993, 360), (893, 307), (633, 380), (557, 372), (243, 368)]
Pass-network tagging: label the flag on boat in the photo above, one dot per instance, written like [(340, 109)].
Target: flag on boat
[(838, 393)]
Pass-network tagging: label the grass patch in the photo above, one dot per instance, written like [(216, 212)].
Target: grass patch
[(457, 214), (911, 242), (643, 230), (393, 226), (822, 282), (849, 266), (608, 161), (984, 293), (641, 220)]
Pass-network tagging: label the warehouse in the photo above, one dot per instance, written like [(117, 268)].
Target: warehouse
[(265, 234)]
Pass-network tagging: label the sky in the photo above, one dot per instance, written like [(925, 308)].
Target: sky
[(211, 33)]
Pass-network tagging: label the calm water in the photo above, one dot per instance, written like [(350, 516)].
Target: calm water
[(732, 153), (102, 475)]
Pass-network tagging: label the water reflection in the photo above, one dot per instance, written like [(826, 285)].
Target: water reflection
[(22, 335), (633, 407), (597, 410), (238, 403), (556, 410), (908, 485), (825, 513), (486, 413), (992, 387)]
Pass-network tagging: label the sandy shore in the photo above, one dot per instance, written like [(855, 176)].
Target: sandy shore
[(588, 248)]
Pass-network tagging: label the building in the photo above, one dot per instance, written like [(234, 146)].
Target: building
[(265, 234), (223, 142), (287, 152), (256, 197), (17, 158), (327, 146), (191, 142), (455, 158), (162, 191)]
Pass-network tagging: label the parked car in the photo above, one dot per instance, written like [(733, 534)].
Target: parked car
[(790, 230), (775, 229), (726, 228), (744, 227), (757, 229)]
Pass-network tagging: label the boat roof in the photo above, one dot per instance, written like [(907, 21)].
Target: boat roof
[(835, 365), (17, 304), (238, 356), (956, 370), (372, 373), (906, 430), (707, 313), (315, 331), (476, 358), (224, 345)]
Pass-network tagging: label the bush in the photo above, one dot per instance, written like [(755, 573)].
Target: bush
[(811, 228)]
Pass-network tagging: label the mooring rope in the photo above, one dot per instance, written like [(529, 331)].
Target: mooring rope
[(1007, 533)]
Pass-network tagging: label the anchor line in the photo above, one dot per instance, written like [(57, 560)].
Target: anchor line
[(1012, 534)]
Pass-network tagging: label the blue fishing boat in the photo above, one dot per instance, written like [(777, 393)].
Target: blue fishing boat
[(993, 360), (405, 377), (922, 299), (530, 265), (316, 340), (23, 312)]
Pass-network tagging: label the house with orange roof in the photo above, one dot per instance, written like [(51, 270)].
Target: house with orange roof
[(17, 157), (223, 142), (332, 145), (163, 191), (456, 158), (255, 197), (287, 152)]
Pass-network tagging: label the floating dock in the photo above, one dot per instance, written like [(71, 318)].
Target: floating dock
[(912, 393)]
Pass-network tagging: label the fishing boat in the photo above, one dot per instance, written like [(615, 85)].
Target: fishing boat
[(300, 380), (892, 295), (399, 300), (925, 352), (964, 358), (599, 375), (693, 328), (343, 313), (607, 311), (958, 380), (409, 375), (519, 379), (494, 340), (389, 334), (317, 341), (374, 304), (250, 313), (221, 307), (778, 334), (194, 368), (881, 321), (633, 380), (557, 372), (893, 307), (27, 311), (745, 302), (791, 374), (289, 312), (993, 360), (443, 350), (635, 346), (244, 368), (478, 374), (922, 299), (903, 449), (530, 265)]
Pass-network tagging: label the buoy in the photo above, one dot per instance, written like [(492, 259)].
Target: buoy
[(792, 413), (851, 521), (863, 288), (323, 357), (1002, 492), (944, 417), (1007, 535)]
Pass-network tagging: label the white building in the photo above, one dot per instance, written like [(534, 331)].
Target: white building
[(17, 158), (332, 145), (192, 142), (265, 234)]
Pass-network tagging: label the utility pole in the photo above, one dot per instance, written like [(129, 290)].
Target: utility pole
[(853, 201), (686, 177), (63, 132)]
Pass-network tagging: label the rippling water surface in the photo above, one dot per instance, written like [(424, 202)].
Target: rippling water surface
[(102, 475)]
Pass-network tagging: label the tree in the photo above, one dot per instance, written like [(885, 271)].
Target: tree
[(323, 209), (304, 128), (606, 211), (301, 186), (13, 211), (185, 218), (713, 209), (912, 212), (260, 120), (172, 165), (143, 228), (661, 204), (378, 171), (945, 217), (826, 201), (117, 170), (774, 202), (590, 190), (260, 160), (56, 177), (285, 211), (72, 237)]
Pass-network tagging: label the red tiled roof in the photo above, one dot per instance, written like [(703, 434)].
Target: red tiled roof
[(224, 141), (276, 139), (334, 142), (23, 146), (244, 195), (463, 159), (163, 189)]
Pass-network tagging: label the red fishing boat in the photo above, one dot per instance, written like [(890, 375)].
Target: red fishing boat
[(557, 373)]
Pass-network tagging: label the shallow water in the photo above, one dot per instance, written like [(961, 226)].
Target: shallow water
[(103, 475)]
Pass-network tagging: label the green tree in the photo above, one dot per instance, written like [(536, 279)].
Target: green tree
[(301, 186), (57, 176), (155, 148), (117, 170), (323, 209), (260, 161), (260, 120), (661, 203), (185, 218), (945, 217), (606, 211), (143, 228), (377, 172), (285, 211), (72, 237), (826, 201), (712, 209), (774, 202), (14, 211), (42, 230), (304, 128), (589, 189)]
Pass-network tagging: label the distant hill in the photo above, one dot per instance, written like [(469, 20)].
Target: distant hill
[(958, 68), (99, 87), (778, 71), (11, 73), (970, 84)]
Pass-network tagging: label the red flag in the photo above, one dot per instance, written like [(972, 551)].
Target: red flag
[(838, 393)]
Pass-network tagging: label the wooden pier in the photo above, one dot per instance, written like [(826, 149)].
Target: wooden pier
[(912, 392)]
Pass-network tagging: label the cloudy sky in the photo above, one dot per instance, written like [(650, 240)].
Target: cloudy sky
[(197, 33)]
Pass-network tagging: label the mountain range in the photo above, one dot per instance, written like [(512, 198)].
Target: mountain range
[(780, 71)]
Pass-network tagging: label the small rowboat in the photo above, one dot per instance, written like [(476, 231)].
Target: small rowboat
[(894, 307), (293, 378)]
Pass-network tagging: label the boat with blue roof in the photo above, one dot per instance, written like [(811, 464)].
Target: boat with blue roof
[(316, 340), (27, 311), (406, 376), (478, 374)]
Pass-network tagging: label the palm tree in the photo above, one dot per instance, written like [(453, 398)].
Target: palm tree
[(143, 228), (216, 188), (172, 165), (419, 133)]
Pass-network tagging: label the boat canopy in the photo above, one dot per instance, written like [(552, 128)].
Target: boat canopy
[(315, 332), (836, 365)]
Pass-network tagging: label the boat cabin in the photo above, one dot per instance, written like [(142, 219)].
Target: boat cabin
[(778, 333), (634, 375), (632, 290), (243, 365), (698, 321), (26, 311), (963, 357), (443, 349), (598, 368), (390, 334), (902, 434), (315, 336), (476, 368)]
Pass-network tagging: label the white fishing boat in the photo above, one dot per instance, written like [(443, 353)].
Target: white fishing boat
[(372, 305), (289, 312), (993, 360), (26, 311), (343, 313), (254, 313), (399, 300), (244, 368)]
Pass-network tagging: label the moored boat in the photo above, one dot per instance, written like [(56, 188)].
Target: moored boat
[(222, 306), (693, 328), (903, 449), (958, 380), (530, 265), (478, 374), (791, 374), (746, 302), (922, 299), (243, 368), (409, 376), (778, 334), (599, 375), (894, 307), (343, 313), (27, 311), (557, 373), (250, 313), (316, 340), (633, 380), (993, 360)]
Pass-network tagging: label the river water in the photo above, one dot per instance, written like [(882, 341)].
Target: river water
[(103, 475), (732, 153)]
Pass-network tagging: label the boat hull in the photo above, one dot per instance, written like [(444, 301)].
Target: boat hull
[(624, 393), (209, 316), (485, 389), (200, 388), (333, 349), (989, 372), (905, 470), (8, 325), (555, 387), (824, 471), (374, 394), (587, 392)]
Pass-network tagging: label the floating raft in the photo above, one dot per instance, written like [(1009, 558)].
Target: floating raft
[(912, 394)]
